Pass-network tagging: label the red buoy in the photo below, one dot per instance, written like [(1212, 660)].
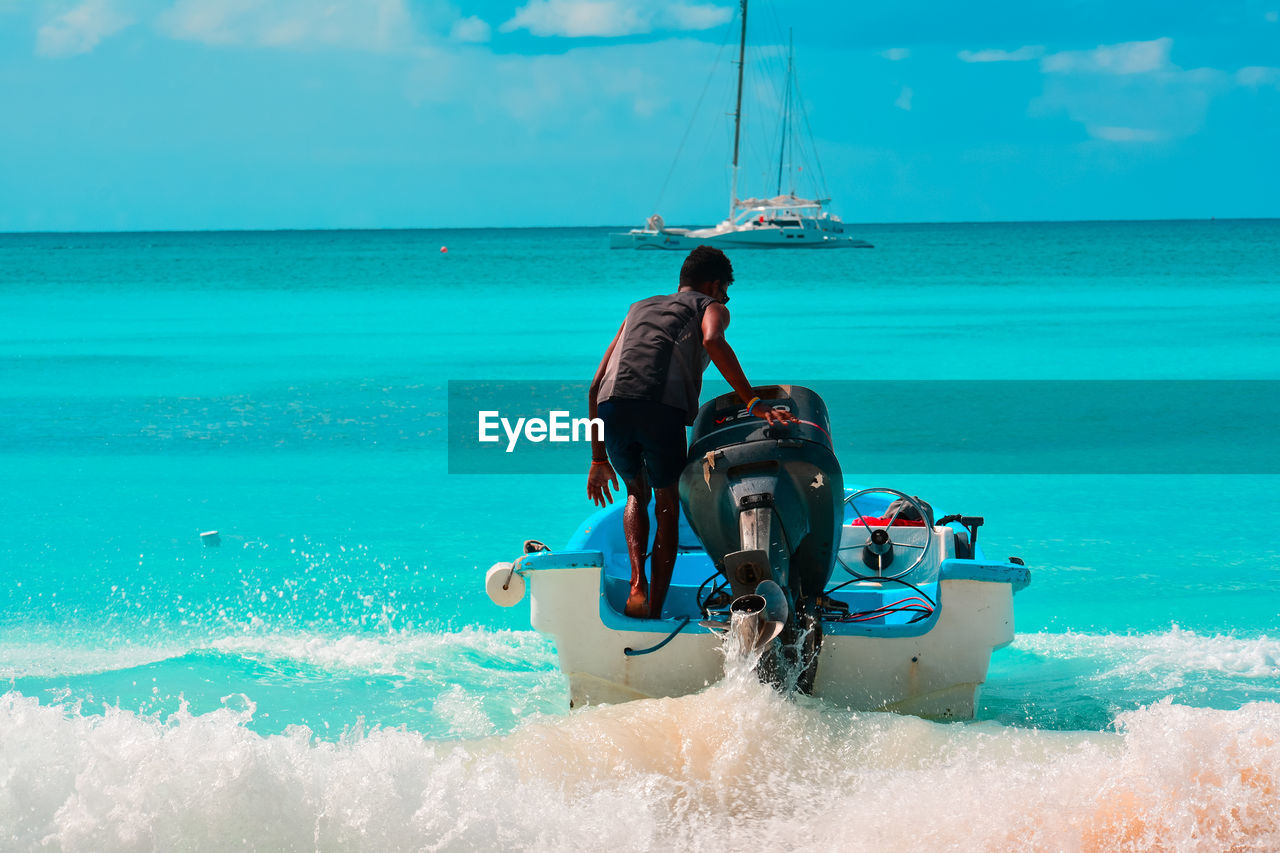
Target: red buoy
[(444, 249)]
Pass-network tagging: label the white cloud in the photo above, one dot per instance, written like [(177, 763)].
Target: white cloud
[(1111, 87), (578, 18), (1133, 92), (382, 26), (1154, 106), (547, 94), (472, 29), (1255, 76), (1124, 134), (895, 54), (904, 99), (80, 29), (1133, 57), (373, 25), (700, 16), (1022, 54)]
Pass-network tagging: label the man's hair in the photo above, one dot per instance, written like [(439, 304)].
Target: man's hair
[(704, 264)]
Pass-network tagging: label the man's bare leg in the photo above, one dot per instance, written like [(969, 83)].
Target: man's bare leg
[(635, 524), (665, 540)]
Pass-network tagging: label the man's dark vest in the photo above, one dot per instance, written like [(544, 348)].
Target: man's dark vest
[(659, 355)]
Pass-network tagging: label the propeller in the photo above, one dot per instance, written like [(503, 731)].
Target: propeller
[(758, 617)]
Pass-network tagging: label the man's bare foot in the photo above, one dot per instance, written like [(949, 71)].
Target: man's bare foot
[(638, 604)]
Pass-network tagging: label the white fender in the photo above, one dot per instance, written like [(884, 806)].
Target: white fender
[(494, 581)]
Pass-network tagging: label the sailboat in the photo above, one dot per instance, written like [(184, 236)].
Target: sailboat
[(784, 220)]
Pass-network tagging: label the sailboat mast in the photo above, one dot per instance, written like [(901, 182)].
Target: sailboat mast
[(737, 113), (786, 115)]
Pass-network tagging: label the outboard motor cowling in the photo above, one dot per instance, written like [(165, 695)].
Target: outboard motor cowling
[(767, 501)]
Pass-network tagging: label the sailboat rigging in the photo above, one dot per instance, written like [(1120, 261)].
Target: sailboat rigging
[(780, 221)]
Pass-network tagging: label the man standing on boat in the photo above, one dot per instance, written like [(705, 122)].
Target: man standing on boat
[(646, 392)]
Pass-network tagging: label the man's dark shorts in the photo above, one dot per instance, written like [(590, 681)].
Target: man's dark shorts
[(644, 435)]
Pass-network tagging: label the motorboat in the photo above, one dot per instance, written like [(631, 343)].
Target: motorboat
[(781, 221), (857, 596)]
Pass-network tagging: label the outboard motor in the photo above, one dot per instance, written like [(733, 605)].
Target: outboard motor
[(767, 503)]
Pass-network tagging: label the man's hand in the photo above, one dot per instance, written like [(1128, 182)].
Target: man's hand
[(598, 480), (772, 415)]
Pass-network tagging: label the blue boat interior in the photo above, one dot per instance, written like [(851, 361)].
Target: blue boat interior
[(874, 608)]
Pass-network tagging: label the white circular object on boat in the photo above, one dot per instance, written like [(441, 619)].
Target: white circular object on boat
[(493, 584)]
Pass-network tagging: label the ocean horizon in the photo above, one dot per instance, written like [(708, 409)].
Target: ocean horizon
[(596, 227)]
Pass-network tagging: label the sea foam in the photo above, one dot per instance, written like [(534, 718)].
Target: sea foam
[(1171, 655), (732, 767)]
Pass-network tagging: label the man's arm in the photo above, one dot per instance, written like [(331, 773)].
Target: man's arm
[(601, 473), (714, 321)]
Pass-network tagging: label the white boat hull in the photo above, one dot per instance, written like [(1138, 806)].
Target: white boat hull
[(936, 674), (756, 238)]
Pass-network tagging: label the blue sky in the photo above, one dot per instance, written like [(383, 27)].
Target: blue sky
[(175, 114)]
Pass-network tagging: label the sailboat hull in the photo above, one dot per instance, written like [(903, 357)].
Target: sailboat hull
[(749, 238)]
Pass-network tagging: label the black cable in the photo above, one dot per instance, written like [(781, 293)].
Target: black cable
[(921, 612), (701, 587), (884, 610), (702, 602), (858, 577)]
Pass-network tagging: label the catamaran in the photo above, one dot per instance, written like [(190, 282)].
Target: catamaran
[(784, 220)]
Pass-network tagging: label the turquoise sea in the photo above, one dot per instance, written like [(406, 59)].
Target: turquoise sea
[(333, 677)]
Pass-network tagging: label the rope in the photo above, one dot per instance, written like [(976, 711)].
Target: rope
[(689, 128), (506, 584), (819, 429)]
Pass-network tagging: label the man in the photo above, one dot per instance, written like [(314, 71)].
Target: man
[(646, 392)]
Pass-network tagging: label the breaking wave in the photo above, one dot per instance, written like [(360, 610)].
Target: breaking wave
[(732, 767)]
